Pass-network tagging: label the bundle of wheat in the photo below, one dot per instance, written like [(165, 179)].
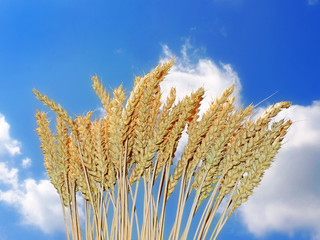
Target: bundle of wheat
[(106, 159)]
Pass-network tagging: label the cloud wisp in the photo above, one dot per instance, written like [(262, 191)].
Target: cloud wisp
[(313, 2), (7, 144), (26, 162)]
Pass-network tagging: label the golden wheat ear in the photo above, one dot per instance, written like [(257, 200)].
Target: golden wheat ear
[(101, 92), (56, 108)]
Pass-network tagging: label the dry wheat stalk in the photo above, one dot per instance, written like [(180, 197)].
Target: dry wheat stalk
[(106, 160)]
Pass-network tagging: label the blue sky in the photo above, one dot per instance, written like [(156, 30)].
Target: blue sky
[(263, 46)]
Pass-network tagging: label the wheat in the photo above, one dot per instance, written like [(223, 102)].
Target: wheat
[(193, 141), (106, 159), (102, 93), (56, 108), (63, 159), (49, 150)]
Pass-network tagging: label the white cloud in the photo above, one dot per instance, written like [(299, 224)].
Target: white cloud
[(37, 202), (187, 76), (288, 198), (26, 162), (8, 177), (7, 144), (48, 214)]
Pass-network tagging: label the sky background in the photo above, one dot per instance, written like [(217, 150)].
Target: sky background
[(262, 46)]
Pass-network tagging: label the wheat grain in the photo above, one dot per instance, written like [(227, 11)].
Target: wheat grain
[(49, 150), (56, 108), (63, 158), (116, 127), (102, 93)]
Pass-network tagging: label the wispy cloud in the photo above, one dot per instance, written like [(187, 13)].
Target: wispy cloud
[(7, 143), (8, 176), (119, 51), (313, 2), (289, 196), (26, 162), (188, 74)]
